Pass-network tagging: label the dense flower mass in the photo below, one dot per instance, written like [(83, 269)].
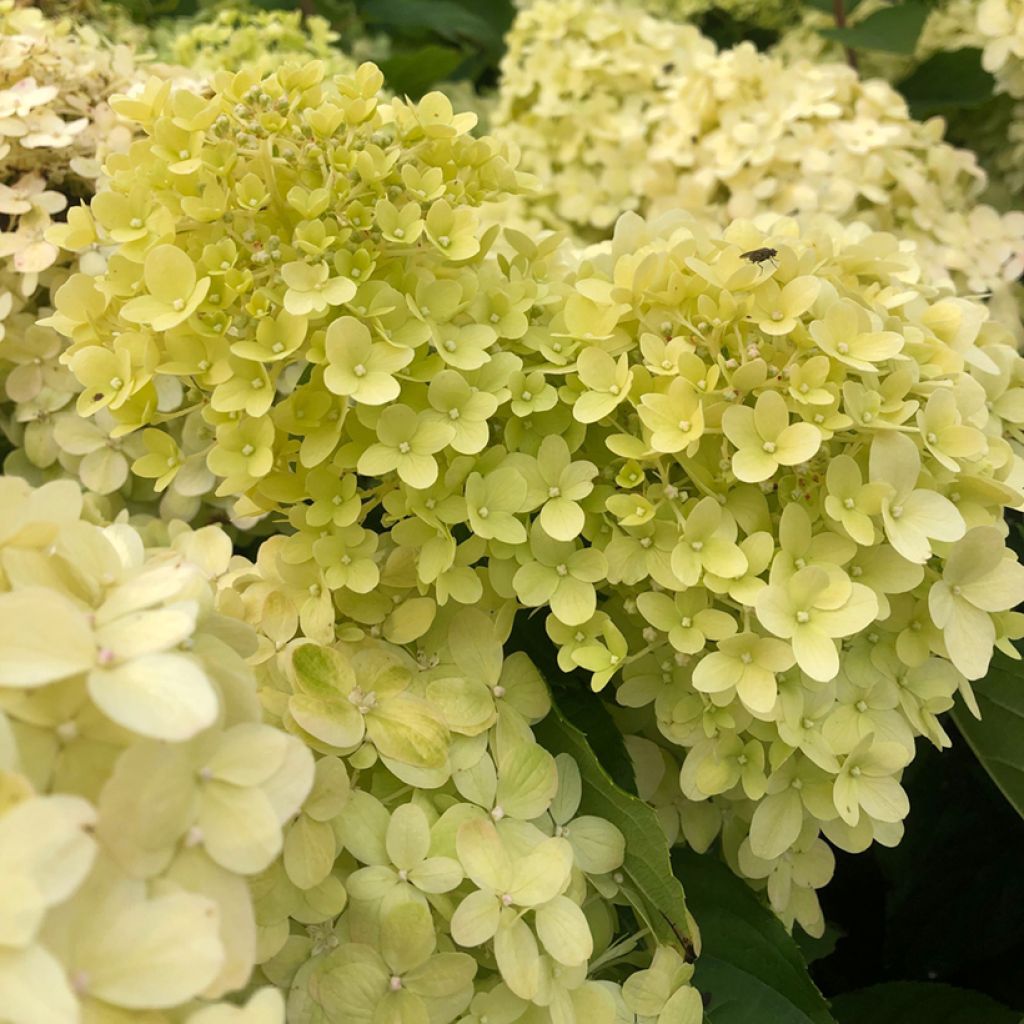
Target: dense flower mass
[(1001, 26), (139, 788), (756, 476), (233, 38), (58, 129), (641, 114), (376, 834), (55, 131), (332, 417)]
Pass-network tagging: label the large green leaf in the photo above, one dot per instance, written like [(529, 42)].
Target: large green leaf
[(443, 18), (918, 1002), (415, 72), (948, 81), (998, 739), (750, 970), (828, 6), (893, 29), (653, 890)]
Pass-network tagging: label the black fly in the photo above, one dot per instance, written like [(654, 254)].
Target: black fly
[(760, 256)]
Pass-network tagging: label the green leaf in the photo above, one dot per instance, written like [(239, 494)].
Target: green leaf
[(750, 970), (998, 739), (829, 7), (948, 81), (443, 18), (415, 72), (913, 1002), (893, 29), (818, 948), (652, 888)]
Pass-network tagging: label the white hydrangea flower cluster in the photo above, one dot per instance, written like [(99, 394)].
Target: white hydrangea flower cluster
[(639, 114), (191, 809), (1001, 25), (756, 476), (784, 606), (55, 129), (125, 703)]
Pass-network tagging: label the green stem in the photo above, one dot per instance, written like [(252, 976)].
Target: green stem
[(839, 12)]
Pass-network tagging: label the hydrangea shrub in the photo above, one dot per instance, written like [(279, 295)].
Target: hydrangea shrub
[(759, 496)]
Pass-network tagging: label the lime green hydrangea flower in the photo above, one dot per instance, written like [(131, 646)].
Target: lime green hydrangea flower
[(152, 877), (809, 524)]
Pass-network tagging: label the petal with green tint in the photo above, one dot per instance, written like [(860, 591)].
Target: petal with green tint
[(43, 637), (517, 956), (162, 696), (570, 789), (240, 829), (153, 954), (408, 836), (407, 729), (574, 601), (483, 855), (598, 845), (776, 824), (527, 781), (476, 919), (685, 1007), (436, 874), (335, 722), (467, 705), (815, 653), (371, 883), (563, 930), (542, 874), (322, 671), (34, 988), (442, 975), (309, 851), (363, 826), (351, 992), (883, 798), (247, 754), (562, 519), (401, 1007), (407, 935)]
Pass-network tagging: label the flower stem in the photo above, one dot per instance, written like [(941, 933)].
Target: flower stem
[(839, 12)]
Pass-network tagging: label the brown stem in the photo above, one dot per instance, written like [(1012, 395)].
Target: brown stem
[(839, 13), (308, 8)]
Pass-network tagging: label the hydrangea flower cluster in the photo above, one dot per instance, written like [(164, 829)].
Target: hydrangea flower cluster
[(235, 37), (243, 299), (641, 114), (55, 129), (58, 129), (126, 702), (802, 575), (198, 817), (755, 476), (1001, 26)]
